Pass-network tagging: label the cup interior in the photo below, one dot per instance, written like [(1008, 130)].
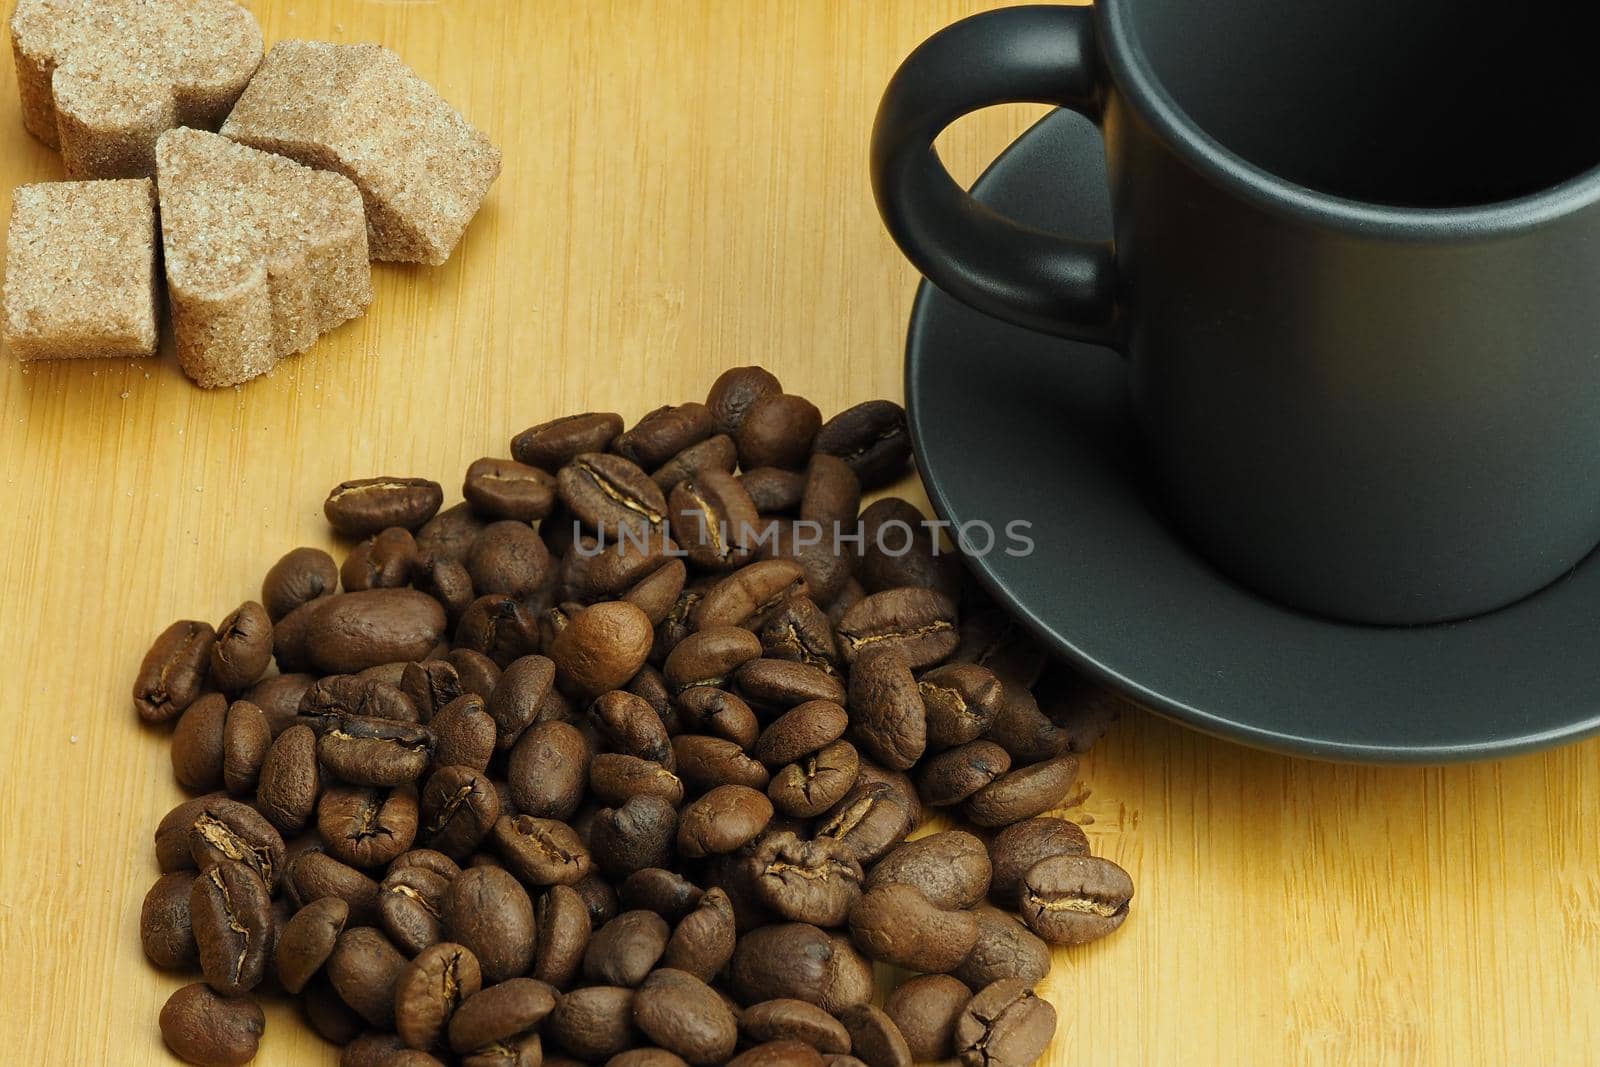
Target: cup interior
[(1417, 103)]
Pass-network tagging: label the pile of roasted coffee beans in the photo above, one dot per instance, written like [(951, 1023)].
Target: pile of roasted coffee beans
[(615, 763)]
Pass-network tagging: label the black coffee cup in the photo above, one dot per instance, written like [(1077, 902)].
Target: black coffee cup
[(1356, 274)]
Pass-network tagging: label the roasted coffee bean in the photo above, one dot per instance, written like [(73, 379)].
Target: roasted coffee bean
[(709, 657), (995, 640), (816, 782), (364, 695), (786, 1019), (224, 829), (919, 623), (962, 700), (278, 696), (901, 549), (478, 673), (611, 495), (629, 725), (230, 908), (449, 534), (646, 1057), (362, 508), (890, 722), (735, 391), (301, 576), (209, 1029), (409, 903), (636, 835), (197, 744), (540, 851), (667, 893), (430, 989), (1022, 793), (956, 774), (1082, 709), (777, 431), (509, 558), (291, 637), (848, 595), (499, 627), (594, 1023), (354, 631), (874, 1037), (817, 552), (499, 1013), (386, 560), (774, 491), (552, 445), (1019, 846), (614, 778), (307, 940), (777, 683), (1071, 900), (799, 960), (685, 1016), (367, 827), (486, 910), (381, 752), (545, 771), (525, 1050), (722, 820), (802, 730), (707, 762), (431, 687), (242, 649), (665, 432), (871, 819), (459, 807), (1005, 949), (872, 438), (719, 713), (448, 582), (832, 495), (289, 783), (604, 646), (564, 928), (925, 1010), (677, 624), (174, 671), (1005, 1025), (165, 929), (1022, 729), (506, 489), (751, 595), (464, 734), (704, 939), (715, 453), (950, 868), (800, 631), (429, 860), (778, 1054), (605, 570), (896, 924), (625, 949), (523, 687), (316, 874), (814, 882), (363, 970), (714, 519), (246, 739)]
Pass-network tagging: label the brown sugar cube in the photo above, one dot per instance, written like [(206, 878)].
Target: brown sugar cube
[(263, 255), (81, 270), (423, 170), (102, 79)]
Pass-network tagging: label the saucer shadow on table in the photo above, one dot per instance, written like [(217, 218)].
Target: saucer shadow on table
[(1013, 425)]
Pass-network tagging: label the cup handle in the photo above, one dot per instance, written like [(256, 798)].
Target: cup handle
[(1044, 281)]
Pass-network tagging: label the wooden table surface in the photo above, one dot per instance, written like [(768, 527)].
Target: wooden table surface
[(685, 189)]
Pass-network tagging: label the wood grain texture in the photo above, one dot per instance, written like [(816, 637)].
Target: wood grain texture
[(685, 189)]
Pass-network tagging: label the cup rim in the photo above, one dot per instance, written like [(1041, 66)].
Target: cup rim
[(1138, 83)]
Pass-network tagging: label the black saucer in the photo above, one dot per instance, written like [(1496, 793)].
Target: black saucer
[(1010, 424)]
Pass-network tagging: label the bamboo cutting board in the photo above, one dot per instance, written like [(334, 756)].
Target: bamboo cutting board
[(685, 189)]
